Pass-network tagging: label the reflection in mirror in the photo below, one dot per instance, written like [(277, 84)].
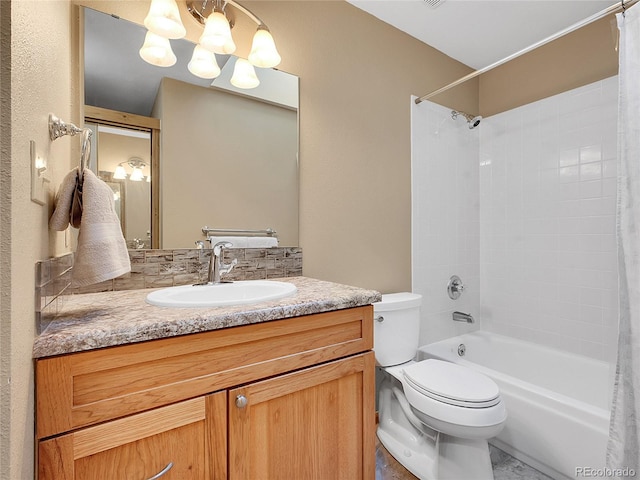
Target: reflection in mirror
[(228, 157), (124, 149), (123, 159)]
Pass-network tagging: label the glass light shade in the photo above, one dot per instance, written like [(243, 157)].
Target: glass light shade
[(120, 173), (157, 51), (263, 49), (136, 175), (216, 36), (164, 19), (203, 63), (244, 75)]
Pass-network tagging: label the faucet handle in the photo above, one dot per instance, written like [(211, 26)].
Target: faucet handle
[(455, 287), (217, 252), (218, 247), (227, 267)]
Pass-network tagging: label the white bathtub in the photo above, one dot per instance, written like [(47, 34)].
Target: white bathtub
[(557, 403)]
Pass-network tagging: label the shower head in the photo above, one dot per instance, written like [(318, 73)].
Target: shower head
[(472, 121)]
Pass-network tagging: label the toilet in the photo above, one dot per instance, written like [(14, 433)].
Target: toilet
[(434, 416)]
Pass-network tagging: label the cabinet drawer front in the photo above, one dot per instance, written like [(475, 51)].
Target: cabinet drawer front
[(90, 387), (175, 439), (93, 440)]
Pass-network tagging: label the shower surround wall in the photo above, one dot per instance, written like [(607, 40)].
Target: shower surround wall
[(547, 221), (522, 208), (445, 218)]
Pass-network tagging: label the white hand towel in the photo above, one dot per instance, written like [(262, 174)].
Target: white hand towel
[(262, 242), (238, 242), (247, 242), (102, 251), (60, 219)]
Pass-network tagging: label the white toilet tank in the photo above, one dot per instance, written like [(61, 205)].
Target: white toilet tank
[(396, 328)]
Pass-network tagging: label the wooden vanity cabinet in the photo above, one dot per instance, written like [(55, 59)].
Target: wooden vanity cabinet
[(284, 399)]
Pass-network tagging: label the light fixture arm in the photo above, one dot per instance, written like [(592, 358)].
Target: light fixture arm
[(197, 8), (248, 13)]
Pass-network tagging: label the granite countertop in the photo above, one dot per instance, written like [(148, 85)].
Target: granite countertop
[(97, 320)]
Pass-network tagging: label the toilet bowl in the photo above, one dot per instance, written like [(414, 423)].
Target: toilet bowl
[(434, 416)]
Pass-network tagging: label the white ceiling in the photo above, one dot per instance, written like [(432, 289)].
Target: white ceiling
[(481, 32)]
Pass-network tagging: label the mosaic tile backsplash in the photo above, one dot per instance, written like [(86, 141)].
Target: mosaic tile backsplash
[(162, 268), (53, 278)]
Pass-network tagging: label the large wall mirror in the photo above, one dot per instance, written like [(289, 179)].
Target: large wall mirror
[(218, 156)]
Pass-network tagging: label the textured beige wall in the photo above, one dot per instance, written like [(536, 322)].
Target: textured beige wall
[(43, 80), (5, 237), (582, 57)]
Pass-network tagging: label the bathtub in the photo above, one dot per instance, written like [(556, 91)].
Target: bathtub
[(557, 403)]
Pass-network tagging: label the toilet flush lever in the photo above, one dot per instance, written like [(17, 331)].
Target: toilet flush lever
[(379, 319), (455, 287)]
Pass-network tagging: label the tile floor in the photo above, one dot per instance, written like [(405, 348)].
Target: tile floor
[(505, 467)]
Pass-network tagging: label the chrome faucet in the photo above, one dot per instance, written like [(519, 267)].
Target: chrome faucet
[(217, 267)]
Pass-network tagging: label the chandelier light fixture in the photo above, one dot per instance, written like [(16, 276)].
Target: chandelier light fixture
[(163, 23), (137, 175)]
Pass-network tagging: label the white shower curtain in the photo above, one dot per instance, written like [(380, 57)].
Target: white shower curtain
[(623, 450)]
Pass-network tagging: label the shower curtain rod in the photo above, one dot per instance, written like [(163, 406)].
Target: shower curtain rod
[(596, 16)]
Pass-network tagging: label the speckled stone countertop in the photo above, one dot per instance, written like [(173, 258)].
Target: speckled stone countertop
[(97, 320)]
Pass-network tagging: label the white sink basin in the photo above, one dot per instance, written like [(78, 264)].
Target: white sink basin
[(222, 294)]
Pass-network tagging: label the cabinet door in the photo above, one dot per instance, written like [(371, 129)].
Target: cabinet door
[(180, 441), (317, 423)]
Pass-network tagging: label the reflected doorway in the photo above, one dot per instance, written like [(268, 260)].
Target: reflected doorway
[(123, 156)]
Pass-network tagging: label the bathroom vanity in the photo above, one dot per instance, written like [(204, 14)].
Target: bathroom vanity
[(283, 389)]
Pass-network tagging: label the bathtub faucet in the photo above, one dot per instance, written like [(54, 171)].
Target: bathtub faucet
[(462, 317)]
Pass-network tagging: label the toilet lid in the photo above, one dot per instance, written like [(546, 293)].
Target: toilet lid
[(452, 384)]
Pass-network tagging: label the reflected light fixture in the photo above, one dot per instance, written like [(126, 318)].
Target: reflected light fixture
[(136, 175), (163, 20), (157, 51), (203, 63), (244, 75), (136, 164)]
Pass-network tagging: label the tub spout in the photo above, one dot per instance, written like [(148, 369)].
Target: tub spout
[(462, 317)]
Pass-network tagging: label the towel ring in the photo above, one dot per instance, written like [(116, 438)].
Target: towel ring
[(58, 128)]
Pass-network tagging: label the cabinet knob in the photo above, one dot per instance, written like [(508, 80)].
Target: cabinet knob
[(241, 401), (162, 472)]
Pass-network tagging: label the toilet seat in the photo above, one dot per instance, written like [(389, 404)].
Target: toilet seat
[(449, 405), (452, 384)]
